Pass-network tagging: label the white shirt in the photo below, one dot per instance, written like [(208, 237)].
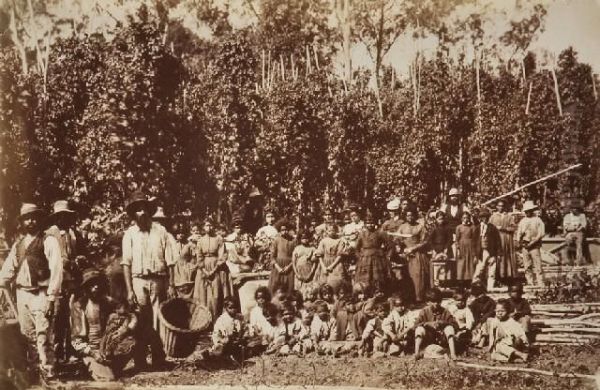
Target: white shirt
[(22, 277), (148, 253), (267, 231)]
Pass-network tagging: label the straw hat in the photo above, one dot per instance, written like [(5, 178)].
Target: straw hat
[(159, 214), (393, 204), (61, 206), (454, 192), (529, 206), (138, 198), (28, 209)]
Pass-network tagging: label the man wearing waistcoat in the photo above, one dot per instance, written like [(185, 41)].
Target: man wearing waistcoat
[(35, 266), (71, 244), (147, 262)]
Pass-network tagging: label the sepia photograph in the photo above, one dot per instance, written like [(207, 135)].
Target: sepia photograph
[(299, 194)]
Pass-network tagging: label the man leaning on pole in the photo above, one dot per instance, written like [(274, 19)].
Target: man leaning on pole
[(35, 266)]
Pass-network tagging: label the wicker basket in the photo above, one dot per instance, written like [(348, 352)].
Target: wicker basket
[(182, 323)]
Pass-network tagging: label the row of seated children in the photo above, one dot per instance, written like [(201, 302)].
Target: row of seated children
[(362, 323)]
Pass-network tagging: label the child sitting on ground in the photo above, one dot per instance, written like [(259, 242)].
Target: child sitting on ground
[(262, 296), (262, 333), (434, 325), (297, 302), (116, 347), (286, 333), (326, 294), (280, 298), (374, 339), (305, 342), (521, 309), (507, 337), (463, 317), (483, 308), (228, 333), (323, 327), (398, 326)]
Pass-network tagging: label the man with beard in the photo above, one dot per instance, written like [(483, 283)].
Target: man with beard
[(148, 268), (35, 265)]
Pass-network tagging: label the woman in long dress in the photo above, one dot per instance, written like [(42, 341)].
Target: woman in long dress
[(506, 268), (331, 268), (213, 281), (414, 242), (467, 244), (305, 264), (282, 273), (373, 268)]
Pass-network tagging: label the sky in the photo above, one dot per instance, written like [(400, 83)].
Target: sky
[(568, 23)]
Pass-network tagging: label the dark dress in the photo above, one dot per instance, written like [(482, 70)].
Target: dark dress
[(507, 259), (373, 267), (418, 263), (281, 251), (467, 242)]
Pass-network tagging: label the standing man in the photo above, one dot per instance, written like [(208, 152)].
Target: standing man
[(574, 224), (72, 249), (489, 249), (530, 232), (35, 265), (148, 269), (454, 209), (395, 220)]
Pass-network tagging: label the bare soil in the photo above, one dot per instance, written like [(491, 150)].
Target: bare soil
[(393, 372)]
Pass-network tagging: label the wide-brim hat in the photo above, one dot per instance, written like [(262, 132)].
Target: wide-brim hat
[(29, 209), (529, 205), (393, 204), (61, 207), (138, 198), (90, 275), (454, 192)]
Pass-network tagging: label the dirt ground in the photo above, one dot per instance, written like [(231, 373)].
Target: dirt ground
[(396, 372)]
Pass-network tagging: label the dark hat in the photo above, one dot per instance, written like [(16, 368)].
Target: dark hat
[(138, 198), (28, 209), (484, 212), (61, 207), (90, 275)]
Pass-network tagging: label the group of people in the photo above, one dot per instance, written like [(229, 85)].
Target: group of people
[(330, 282)]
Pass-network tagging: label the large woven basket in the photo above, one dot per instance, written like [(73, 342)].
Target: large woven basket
[(182, 323)]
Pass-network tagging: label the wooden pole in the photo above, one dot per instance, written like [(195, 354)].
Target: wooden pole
[(594, 86), (528, 98), (532, 183), (527, 370), (556, 91), (316, 57)]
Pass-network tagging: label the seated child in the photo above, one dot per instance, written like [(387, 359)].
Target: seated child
[(343, 311), (521, 309), (297, 302), (434, 325), (374, 338), (286, 333), (507, 337), (305, 342), (117, 345), (323, 327), (262, 333), (326, 294), (280, 298), (262, 296), (398, 326), (228, 333), (463, 317), (184, 272), (483, 308)]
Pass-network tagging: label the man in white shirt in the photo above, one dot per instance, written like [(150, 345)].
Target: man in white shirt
[(530, 232), (148, 263), (574, 224), (35, 265)]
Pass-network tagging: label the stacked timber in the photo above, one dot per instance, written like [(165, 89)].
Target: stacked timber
[(566, 323)]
